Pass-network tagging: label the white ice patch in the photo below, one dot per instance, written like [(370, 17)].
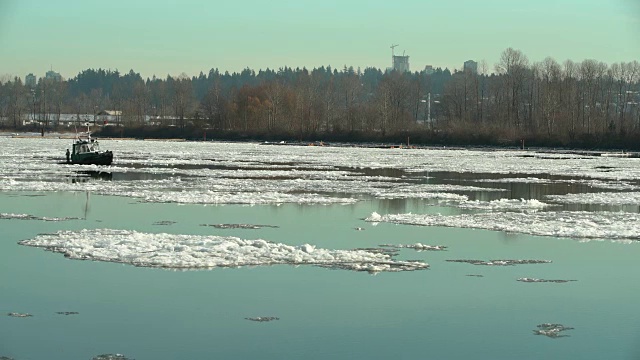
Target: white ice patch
[(428, 192), (420, 195), (519, 180), (595, 183), (567, 224), (245, 198), (601, 198), (182, 192), (248, 173), (504, 205), (206, 252), (11, 216), (416, 246), (43, 154)]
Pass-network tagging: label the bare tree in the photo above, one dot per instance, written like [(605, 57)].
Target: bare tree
[(183, 98), (513, 66)]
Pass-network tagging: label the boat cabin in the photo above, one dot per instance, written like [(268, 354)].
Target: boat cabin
[(85, 146)]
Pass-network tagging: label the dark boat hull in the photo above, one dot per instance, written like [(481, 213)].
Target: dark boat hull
[(103, 158)]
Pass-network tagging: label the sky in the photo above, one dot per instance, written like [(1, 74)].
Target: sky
[(170, 37)]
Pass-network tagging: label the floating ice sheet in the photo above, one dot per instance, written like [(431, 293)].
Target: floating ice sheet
[(11, 216), (535, 280), (518, 180), (246, 173), (504, 205), (507, 262), (240, 226), (601, 184), (262, 318), (111, 357), (198, 252), (569, 224), (552, 330), (417, 247), (46, 152), (19, 315), (601, 198), (182, 192), (164, 222)]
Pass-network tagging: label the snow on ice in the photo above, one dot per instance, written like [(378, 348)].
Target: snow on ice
[(205, 252), (566, 224)]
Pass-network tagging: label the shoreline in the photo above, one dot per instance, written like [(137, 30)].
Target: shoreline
[(372, 145)]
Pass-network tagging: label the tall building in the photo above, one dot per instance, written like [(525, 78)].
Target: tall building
[(401, 63), (53, 75), (471, 66), (30, 80), (428, 69)]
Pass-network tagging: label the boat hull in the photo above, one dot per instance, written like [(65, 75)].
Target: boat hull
[(102, 158)]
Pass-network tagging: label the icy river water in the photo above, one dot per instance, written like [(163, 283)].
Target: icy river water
[(205, 250)]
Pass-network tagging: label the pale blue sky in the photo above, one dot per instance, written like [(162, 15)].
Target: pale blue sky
[(173, 36)]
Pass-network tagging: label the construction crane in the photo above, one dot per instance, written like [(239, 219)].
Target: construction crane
[(392, 48)]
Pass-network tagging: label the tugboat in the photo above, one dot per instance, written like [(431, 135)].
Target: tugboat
[(86, 151)]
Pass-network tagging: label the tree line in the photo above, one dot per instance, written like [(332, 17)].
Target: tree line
[(586, 103)]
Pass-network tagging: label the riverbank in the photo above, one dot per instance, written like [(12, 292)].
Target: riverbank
[(421, 138)]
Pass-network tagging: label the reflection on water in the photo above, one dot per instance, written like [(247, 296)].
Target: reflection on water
[(87, 176), (387, 172), (597, 207), (526, 191)]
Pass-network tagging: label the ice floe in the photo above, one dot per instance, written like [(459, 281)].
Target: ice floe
[(10, 216), (518, 180), (206, 252), (240, 226), (568, 224), (535, 280), (111, 357), (595, 183), (417, 247), (504, 205), (420, 195), (500, 262), (176, 154), (19, 315), (378, 250), (552, 330), (262, 318), (248, 198), (67, 313), (601, 198), (164, 223), (246, 173)]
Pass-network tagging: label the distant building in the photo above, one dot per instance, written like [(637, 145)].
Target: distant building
[(471, 66), (53, 75), (401, 63), (30, 80), (106, 117), (428, 69)]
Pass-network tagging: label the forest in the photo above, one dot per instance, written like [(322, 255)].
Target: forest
[(587, 104)]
